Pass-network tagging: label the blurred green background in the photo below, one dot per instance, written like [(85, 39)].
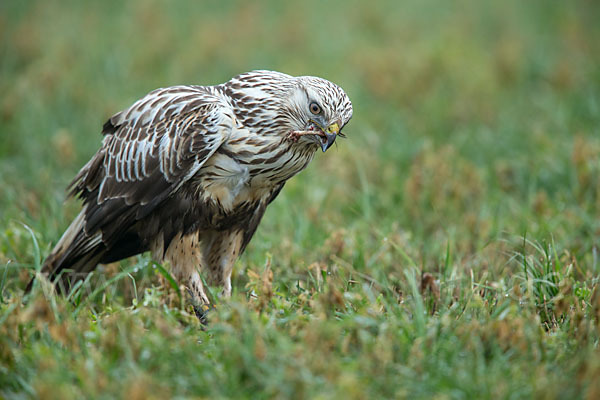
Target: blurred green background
[(471, 118), (476, 125)]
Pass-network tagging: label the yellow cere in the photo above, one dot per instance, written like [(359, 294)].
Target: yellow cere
[(333, 128)]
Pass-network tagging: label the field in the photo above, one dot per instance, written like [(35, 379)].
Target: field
[(449, 248)]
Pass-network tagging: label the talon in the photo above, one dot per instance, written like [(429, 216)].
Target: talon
[(201, 312)]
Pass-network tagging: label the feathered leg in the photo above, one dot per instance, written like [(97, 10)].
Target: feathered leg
[(184, 257), (219, 255)]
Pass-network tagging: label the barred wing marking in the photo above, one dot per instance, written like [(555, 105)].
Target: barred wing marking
[(149, 151)]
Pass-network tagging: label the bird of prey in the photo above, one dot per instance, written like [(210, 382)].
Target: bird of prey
[(187, 172)]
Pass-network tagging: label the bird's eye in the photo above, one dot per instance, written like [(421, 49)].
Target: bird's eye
[(314, 108)]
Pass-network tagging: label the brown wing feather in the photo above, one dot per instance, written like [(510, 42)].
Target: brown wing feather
[(149, 151)]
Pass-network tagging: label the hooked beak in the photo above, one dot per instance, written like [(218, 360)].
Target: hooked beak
[(330, 136)]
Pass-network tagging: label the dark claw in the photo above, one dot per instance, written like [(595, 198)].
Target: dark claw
[(201, 312), (200, 309)]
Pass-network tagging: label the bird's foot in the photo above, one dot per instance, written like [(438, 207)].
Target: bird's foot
[(201, 312), (201, 308)]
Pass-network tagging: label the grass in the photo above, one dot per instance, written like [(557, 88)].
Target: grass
[(449, 248)]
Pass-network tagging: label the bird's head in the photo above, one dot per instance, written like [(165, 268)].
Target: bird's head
[(308, 110), (319, 106)]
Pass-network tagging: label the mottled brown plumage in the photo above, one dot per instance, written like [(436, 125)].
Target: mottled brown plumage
[(187, 172)]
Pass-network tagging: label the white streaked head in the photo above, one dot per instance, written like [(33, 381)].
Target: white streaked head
[(277, 103)]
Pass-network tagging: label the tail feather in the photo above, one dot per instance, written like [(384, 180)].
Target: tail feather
[(74, 256)]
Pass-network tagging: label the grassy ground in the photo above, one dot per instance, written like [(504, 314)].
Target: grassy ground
[(448, 248)]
